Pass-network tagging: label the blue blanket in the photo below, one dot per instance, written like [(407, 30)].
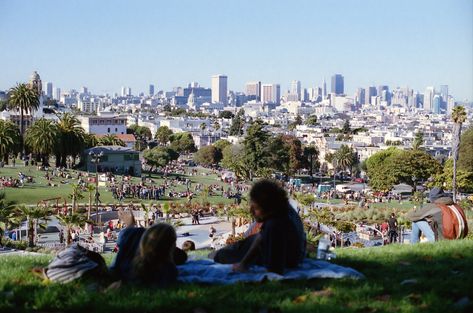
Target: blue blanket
[(209, 272)]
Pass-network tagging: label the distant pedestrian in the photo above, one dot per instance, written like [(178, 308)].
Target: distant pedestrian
[(392, 233)]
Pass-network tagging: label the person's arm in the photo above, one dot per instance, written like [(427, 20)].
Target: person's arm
[(250, 255), (276, 248)]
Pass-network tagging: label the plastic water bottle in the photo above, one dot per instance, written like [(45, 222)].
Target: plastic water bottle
[(323, 250)]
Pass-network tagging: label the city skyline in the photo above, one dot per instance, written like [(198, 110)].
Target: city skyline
[(308, 42)]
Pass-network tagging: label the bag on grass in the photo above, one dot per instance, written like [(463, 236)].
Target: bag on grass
[(75, 262)]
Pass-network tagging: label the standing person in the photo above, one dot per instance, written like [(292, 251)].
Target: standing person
[(392, 233), (61, 236)]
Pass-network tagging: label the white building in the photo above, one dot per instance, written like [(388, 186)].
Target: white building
[(219, 89), (271, 93), (105, 123)]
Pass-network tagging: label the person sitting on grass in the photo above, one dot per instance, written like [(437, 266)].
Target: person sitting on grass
[(142, 250), (281, 242)]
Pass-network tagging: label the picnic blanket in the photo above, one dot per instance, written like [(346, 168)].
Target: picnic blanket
[(209, 272)]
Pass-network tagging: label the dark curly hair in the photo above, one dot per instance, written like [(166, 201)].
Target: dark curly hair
[(270, 196)]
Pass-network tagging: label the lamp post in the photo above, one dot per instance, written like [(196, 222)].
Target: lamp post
[(95, 158)]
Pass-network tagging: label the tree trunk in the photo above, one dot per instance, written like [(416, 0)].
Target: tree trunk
[(30, 233), (455, 148), (22, 130), (90, 205)]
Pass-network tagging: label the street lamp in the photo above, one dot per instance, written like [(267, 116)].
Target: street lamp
[(95, 158)]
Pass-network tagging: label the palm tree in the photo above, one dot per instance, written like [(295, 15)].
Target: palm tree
[(35, 216), (75, 196), (345, 157), (310, 152), (8, 218), (72, 138), (111, 140), (91, 190), (203, 126), (71, 221), (24, 99), (458, 117), (9, 138), (42, 138)]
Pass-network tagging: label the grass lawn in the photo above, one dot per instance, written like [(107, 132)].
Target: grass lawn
[(440, 274), (32, 193)]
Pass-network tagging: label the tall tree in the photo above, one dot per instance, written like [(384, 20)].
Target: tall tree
[(24, 99), (208, 155), (35, 216), (42, 138), (163, 135), (9, 138), (255, 147), (238, 122), (345, 157), (418, 140), (8, 218), (311, 153), (458, 117), (72, 138), (183, 143), (159, 156)]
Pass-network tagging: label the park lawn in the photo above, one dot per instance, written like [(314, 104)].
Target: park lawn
[(441, 274), (32, 193)]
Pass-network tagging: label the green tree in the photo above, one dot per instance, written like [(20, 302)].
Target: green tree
[(346, 158), (159, 156), (183, 143), (42, 138), (445, 177), (234, 159), (465, 155), (75, 196), (278, 154), (8, 216), (208, 155), (458, 118), (222, 144), (296, 155), (9, 139), (163, 135), (411, 166), (111, 140), (35, 216), (70, 221), (311, 153), (418, 140), (379, 170), (346, 127), (225, 114), (72, 139), (311, 120), (255, 147), (24, 99), (238, 122)]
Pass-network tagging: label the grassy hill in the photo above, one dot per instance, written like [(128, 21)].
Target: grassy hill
[(400, 278)]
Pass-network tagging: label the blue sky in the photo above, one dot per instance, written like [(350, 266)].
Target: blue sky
[(107, 44)]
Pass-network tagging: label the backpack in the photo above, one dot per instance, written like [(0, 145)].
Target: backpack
[(75, 262), (454, 222)]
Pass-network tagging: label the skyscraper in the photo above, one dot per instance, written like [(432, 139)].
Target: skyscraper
[(360, 94), (49, 90), (436, 104), (337, 84), (296, 89), (219, 89), (324, 89), (271, 93), (428, 98), (57, 95), (444, 95), (123, 91), (370, 92), (151, 90), (84, 90), (253, 90)]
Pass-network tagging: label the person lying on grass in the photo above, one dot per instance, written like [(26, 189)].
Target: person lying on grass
[(147, 256), (280, 243)]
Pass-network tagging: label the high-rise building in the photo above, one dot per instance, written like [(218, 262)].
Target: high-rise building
[(253, 90), (360, 96), (123, 91), (219, 89), (437, 104), (57, 95), (444, 95), (428, 98), (128, 91), (337, 84), (84, 90), (151, 90), (271, 93), (369, 93), (324, 95), (296, 89), (49, 90)]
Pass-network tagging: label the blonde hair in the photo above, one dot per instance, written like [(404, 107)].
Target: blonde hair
[(156, 248)]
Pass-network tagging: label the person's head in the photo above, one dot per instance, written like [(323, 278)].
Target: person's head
[(436, 193), (156, 248), (268, 198), (188, 245), (393, 215)]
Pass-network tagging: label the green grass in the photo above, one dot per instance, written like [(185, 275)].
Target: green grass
[(442, 272), (32, 193)]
